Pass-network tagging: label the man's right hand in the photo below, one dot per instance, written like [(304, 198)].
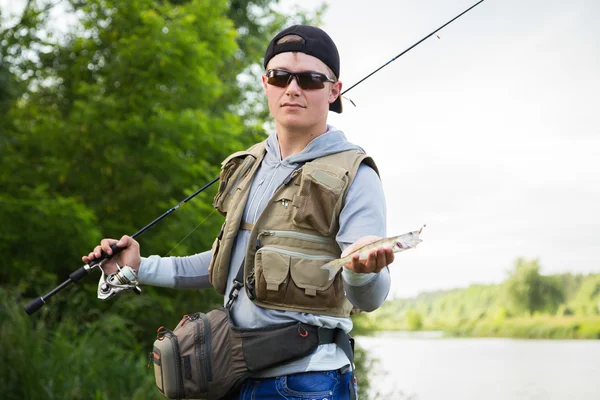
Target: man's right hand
[(130, 255)]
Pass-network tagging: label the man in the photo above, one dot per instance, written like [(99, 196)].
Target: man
[(291, 203)]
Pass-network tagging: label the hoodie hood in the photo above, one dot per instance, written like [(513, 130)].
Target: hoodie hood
[(331, 142)]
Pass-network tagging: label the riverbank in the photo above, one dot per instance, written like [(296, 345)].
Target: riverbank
[(535, 327), (527, 305)]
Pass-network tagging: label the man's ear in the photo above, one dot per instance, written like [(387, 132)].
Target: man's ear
[(264, 82), (336, 90)]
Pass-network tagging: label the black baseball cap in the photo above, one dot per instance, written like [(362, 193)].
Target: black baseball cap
[(317, 43)]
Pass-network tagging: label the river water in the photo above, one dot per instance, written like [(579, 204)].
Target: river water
[(427, 366)]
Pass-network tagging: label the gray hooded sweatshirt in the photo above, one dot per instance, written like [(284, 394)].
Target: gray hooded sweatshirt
[(364, 213)]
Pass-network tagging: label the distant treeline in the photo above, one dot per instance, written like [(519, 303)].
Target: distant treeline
[(526, 305)]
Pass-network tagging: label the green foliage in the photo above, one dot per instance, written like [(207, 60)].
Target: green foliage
[(108, 126), (439, 309), (414, 320), (567, 306), (538, 327), (32, 216), (98, 360), (587, 299), (528, 290), (102, 129), (364, 366)]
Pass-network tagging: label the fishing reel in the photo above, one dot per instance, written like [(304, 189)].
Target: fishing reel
[(112, 284)]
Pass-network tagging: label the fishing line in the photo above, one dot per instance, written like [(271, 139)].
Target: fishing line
[(410, 48), (192, 231)]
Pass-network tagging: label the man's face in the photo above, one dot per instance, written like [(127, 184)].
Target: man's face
[(295, 108)]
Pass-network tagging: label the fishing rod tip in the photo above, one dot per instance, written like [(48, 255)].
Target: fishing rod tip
[(350, 100)]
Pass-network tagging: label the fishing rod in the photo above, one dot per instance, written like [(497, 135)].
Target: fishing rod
[(413, 46), (126, 278)]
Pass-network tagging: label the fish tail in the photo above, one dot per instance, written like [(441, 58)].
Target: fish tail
[(332, 267)]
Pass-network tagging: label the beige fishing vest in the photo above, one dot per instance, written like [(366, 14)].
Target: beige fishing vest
[(294, 235)]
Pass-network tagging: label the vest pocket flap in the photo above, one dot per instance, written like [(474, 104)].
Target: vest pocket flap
[(308, 275), (297, 280), (330, 176), (275, 267), (319, 200)]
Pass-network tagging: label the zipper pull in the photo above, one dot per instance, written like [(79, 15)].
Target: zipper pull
[(291, 176), (194, 316), (263, 233)]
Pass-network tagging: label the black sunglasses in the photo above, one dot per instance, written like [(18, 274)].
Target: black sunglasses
[(307, 80)]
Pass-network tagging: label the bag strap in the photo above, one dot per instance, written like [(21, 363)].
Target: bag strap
[(346, 343), (238, 283)]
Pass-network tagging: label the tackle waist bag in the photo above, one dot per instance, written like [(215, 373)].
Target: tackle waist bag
[(207, 357)]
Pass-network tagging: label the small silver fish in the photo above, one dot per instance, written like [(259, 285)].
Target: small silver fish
[(396, 243)]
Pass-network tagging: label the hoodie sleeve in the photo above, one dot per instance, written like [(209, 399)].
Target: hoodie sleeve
[(364, 213), (176, 272)]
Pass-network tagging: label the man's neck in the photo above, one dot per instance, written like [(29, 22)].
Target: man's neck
[(293, 142)]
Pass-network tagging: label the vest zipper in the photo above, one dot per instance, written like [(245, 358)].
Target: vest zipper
[(200, 348), (296, 254), (295, 235), (264, 193), (207, 347), (247, 218)]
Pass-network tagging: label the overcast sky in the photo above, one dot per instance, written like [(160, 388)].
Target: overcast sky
[(489, 135)]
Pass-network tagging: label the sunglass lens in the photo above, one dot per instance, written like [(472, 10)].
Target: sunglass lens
[(278, 78), (310, 81)]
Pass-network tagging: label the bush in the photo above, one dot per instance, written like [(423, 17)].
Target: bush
[(414, 320), (98, 360)]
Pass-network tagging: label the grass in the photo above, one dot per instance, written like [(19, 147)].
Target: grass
[(537, 327), (97, 361)]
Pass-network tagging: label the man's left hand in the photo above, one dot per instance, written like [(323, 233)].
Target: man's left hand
[(378, 258)]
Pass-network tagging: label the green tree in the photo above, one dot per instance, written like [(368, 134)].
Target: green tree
[(102, 129), (414, 320), (121, 118), (587, 300), (529, 291)]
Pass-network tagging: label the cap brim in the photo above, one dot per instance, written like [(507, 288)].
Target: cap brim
[(336, 106)]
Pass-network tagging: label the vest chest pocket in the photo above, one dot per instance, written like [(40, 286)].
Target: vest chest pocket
[(319, 201), (293, 279)]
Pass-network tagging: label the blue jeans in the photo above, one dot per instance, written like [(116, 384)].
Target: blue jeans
[(322, 385)]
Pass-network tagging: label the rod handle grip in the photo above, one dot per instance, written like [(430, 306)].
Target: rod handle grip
[(77, 275), (34, 305)]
